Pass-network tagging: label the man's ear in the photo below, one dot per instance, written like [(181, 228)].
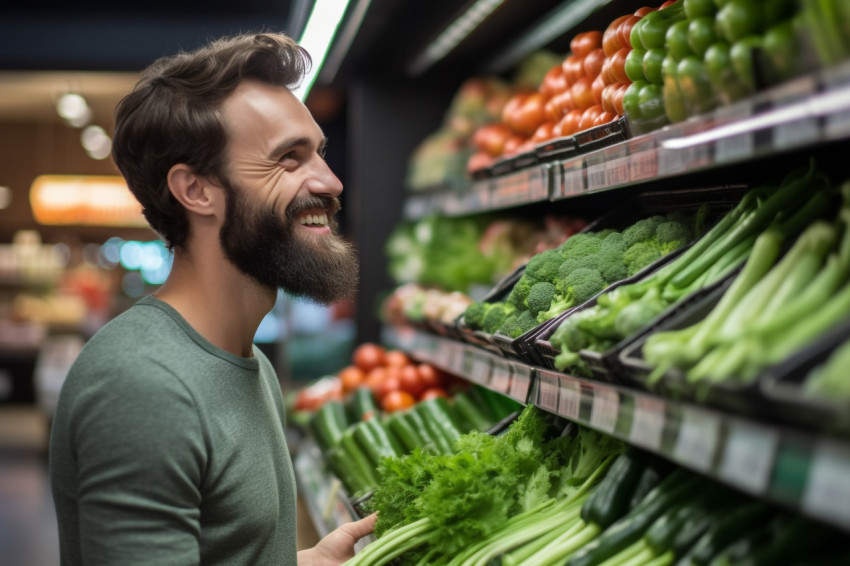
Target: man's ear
[(193, 191)]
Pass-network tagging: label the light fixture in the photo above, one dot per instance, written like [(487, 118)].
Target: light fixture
[(317, 37), (96, 143), (99, 200), (74, 109), (5, 197)]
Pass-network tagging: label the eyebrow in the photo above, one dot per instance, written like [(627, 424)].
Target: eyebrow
[(302, 141)]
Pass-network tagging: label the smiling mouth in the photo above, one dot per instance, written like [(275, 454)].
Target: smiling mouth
[(313, 218)]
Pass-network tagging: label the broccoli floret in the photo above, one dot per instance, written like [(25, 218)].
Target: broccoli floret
[(642, 230), (544, 266), (519, 293), (571, 264), (580, 245), (496, 316), (518, 324), (640, 255), (576, 288), (509, 324), (603, 234), (614, 239), (672, 235), (540, 297), (474, 315), (611, 265)]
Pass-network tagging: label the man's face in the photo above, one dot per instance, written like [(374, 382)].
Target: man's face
[(281, 197)]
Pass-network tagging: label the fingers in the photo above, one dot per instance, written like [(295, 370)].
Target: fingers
[(361, 528)]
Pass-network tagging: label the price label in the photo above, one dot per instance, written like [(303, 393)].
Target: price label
[(827, 492), (573, 178), (605, 409), (520, 382), (617, 172), (479, 368), (801, 131), (596, 176), (500, 380), (696, 444), (538, 185), (647, 422), (547, 391), (569, 398), (837, 123), (456, 359), (749, 456), (736, 147)]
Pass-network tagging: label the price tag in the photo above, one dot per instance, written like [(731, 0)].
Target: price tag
[(538, 184), (643, 158), (596, 171), (647, 422), (569, 398), (520, 382), (696, 444), (478, 368), (500, 380), (547, 391), (573, 178), (737, 147), (748, 457), (456, 359), (827, 492), (837, 124), (617, 172), (605, 409), (802, 131)]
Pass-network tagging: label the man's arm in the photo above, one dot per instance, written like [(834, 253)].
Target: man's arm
[(338, 546)]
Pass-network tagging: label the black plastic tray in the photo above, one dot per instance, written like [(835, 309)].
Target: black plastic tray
[(782, 385), (603, 365), (740, 397), (602, 136)]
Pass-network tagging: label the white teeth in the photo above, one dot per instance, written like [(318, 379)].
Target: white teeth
[(320, 219)]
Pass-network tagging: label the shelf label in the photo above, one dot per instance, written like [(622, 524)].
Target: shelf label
[(647, 422), (572, 178), (696, 444), (569, 398), (500, 380), (749, 456), (827, 492), (547, 391), (738, 147), (605, 409), (538, 186), (596, 167), (802, 131), (520, 382), (477, 367), (617, 172)]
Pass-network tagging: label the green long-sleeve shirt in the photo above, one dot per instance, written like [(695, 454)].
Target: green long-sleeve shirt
[(168, 450)]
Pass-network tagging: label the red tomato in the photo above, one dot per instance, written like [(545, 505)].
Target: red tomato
[(596, 87), (667, 4), (368, 356), (565, 102), (543, 133), (552, 110), (624, 31), (375, 378), (641, 12), (430, 376), (573, 68), (611, 38), (479, 160), (618, 66), (585, 42), (396, 358), (529, 115), (433, 393), (582, 92), (411, 381), (588, 117), (617, 99), (388, 385), (593, 62), (491, 138), (351, 377), (397, 401), (569, 123), (512, 145), (608, 97), (604, 118), (512, 105), (554, 81)]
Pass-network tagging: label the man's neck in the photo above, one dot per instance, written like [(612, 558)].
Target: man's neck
[(221, 303)]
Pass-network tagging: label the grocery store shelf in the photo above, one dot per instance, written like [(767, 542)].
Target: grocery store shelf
[(803, 113), (796, 468)]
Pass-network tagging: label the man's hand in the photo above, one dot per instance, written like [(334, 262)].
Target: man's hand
[(338, 546)]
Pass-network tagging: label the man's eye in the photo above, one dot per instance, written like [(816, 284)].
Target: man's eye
[(286, 156)]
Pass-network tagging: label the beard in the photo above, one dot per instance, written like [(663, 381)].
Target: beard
[(272, 251)]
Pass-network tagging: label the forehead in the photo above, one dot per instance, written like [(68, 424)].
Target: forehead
[(263, 113)]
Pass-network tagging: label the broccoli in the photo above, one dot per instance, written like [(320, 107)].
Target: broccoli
[(610, 262), (642, 230), (474, 315), (640, 255), (518, 324), (614, 239), (672, 235), (519, 293), (496, 316), (580, 245), (540, 296), (576, 288), (544, 266)]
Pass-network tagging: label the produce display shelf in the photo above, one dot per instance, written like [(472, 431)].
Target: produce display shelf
[(805, 112), (795, 468), (327, 502)]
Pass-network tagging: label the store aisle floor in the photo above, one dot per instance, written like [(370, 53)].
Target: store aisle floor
[(28, 534)]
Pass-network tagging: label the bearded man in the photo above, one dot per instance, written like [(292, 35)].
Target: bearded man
[(167, 445)]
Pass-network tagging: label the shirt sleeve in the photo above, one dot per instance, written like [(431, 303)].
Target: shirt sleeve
[(140, 453)]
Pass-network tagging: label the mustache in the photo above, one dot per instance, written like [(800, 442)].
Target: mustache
[(330, 205)]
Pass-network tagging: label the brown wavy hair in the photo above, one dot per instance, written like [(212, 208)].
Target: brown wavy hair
[(173, 116)]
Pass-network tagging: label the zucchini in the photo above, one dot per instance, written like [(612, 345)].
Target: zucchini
[(354, 456), (656, 469), (387, 443), (724, 531), (437, 415), (400, 428), (429, 436), (610, 500), (469, 412), (329, 423), (349, 475), (361, 404)]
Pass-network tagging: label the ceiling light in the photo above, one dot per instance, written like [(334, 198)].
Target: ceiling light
[(317, 37), (5, 197), (74, 109)]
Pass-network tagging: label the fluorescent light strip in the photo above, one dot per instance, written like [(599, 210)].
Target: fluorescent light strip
[(317, 37), (819, 105), (342, 45), (456, 32)]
